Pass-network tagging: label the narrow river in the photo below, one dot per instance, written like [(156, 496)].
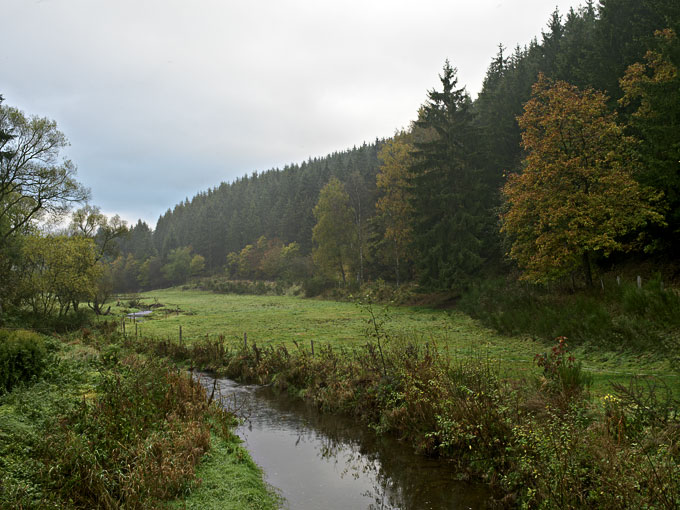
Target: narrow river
[(318, 461)]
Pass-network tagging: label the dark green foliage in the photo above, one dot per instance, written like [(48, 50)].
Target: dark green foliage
[(138, 242), (623, 33), (652, 102), (276, 204), (447, 191), (258, 288), (23, 357), (621, 316), (317, 285), (71, 321)]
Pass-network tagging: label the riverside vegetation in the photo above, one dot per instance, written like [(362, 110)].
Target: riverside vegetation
[(86, 423), (539, 436)]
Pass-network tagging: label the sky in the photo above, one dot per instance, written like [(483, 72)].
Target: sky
[(162, 99)]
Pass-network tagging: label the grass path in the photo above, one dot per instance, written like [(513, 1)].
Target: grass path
[(285, 319)]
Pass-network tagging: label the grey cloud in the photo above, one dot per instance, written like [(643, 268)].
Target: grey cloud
[(161, 99)]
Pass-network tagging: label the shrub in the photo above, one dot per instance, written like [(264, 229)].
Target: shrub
[(563, 375), (23, 356), (135, 444), (317, 285)]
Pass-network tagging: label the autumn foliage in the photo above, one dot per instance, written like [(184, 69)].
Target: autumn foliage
[(576, 197), (394, 206)]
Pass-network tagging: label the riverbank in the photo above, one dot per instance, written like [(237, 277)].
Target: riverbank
[(87, 424), (229, 480), (541, 442)]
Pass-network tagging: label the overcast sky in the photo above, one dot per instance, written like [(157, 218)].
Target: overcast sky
[(161, 99)]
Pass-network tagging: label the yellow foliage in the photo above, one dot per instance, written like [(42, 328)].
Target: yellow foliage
[(576, 195)]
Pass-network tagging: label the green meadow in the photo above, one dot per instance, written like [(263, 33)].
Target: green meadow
[(293, 320)]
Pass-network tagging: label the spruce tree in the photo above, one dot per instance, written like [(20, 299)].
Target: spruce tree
[(447, 193)]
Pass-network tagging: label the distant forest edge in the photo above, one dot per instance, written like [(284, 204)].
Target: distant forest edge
[(567, 162), (426, 203)]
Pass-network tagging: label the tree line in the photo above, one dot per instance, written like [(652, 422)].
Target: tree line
[(567, 159), (569, 155)]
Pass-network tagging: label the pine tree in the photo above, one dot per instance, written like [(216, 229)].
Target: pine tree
[(447, 193), (652, 91)]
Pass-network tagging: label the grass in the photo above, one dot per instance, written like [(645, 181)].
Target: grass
[(286, 319), (136, 451), (229, 481), (450, 387), (616, 313)]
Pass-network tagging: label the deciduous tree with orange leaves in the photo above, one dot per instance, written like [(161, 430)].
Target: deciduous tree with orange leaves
[(576, 197)]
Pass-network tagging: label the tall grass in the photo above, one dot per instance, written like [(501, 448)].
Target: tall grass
[(619, 316), (103, 430), (541, 443), (135, 444)]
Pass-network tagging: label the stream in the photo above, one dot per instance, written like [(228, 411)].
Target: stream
[(325, 461)]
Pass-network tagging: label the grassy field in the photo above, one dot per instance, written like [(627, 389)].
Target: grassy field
[(284, 319)]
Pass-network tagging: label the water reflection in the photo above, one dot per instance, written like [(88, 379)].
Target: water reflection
[(328, 462)]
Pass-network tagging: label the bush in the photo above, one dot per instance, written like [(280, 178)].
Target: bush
[(250, 287), (317, 285), (563, 376), (135, 444), (23, 356)]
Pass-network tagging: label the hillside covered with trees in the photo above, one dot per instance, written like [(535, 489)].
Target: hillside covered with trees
[(528, 208), (443, 201), (567, 162)]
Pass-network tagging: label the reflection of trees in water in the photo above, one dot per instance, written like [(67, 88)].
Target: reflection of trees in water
[(399, 479), (360, 464), (239, 403)]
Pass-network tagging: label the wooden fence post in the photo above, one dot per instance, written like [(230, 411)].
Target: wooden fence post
[(180, 335), (312, 347)]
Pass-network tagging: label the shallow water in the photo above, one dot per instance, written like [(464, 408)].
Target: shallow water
[(318, 461)]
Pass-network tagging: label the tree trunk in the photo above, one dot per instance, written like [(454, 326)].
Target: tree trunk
[(586, 269), (342, 272), (361, 258), (396, 258)]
